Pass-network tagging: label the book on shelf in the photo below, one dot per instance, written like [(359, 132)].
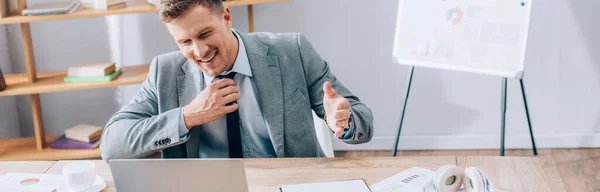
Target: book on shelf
[(91, 69), (84, 133), (102, 4), (65, 143), (52, 8), (97, 79)]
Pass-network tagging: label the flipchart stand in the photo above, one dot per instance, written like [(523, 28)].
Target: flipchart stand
[(503, 114)]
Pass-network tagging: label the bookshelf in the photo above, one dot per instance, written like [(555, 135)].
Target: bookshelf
[(47, 82), (132, 7), (25, 148), (33, 83)]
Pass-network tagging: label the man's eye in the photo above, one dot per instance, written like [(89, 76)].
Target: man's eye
[(186, 42), (203, 35)]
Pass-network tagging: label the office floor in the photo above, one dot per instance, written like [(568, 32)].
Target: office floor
[(578, 169)]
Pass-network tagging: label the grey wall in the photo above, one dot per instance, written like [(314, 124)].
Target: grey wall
[(9, 121), (58, 45), (453, 109), (447, 110)]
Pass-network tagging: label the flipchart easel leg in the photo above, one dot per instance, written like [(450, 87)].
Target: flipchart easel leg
[(503, 121), (410, 77), (528, 119)]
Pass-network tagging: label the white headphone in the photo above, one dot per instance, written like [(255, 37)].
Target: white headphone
[(450, 178)]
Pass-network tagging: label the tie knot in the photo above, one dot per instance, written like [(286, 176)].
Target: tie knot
[(228, 76)]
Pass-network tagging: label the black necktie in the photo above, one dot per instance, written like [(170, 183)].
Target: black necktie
[(233, 128)]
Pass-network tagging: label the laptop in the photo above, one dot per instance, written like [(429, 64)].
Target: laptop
[(214, 175)]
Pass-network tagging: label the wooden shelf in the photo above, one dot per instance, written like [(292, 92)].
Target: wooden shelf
[(133, 6), (18, 84), (24, 149)]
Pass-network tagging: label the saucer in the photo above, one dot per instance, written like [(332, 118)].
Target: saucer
[(99, 185)]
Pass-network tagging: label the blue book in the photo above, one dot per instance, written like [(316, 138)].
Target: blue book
[(64, 143)]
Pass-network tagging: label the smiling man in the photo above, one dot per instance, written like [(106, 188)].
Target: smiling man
[(228, 94)]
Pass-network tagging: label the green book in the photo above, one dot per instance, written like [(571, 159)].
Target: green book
[(98, 79)]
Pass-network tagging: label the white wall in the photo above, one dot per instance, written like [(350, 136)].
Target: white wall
[(58, 45), (126, 39), (9, 123), (447, 110)]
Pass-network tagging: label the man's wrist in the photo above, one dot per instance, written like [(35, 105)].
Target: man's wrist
[(187, 119)]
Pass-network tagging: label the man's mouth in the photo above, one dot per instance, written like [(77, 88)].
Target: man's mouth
[(208, 60)]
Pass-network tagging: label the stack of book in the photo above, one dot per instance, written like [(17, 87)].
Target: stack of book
[(52, 8), (102, 4), (92, 72), (81, 136)]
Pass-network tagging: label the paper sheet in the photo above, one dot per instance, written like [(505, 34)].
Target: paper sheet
[(26, 182), (413, 179), (357, 185)]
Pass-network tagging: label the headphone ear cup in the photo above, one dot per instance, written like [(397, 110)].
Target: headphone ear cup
[(488, 185), (474, 181), (447, 178)]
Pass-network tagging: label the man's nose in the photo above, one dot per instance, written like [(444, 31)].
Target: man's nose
[(199, 50)]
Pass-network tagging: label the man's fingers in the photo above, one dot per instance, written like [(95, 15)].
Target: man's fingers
[(342, 123), (338, 132), (230, 108), (328, 90), (342, 114), (227, 91), (230, 98), (221, 84), (343, 104)]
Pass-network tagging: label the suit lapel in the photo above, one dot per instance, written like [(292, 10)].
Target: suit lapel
[(267, 76), (188, 87)]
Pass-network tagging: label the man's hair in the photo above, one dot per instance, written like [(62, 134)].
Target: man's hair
[(167, 10)]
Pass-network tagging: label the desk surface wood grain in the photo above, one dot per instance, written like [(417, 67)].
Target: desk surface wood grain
[(508, 173), (37, 167), (269, 174)]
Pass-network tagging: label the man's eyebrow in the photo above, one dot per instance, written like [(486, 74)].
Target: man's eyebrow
[(181, 40), (204, 30)]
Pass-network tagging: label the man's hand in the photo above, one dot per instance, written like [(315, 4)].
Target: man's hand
[(211, 103), (337, 110)]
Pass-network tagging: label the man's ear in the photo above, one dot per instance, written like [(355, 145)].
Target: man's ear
[(227, 17)]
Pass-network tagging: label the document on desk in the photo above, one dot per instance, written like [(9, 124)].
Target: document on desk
[(413, 179), (26, 182), (355, 185)]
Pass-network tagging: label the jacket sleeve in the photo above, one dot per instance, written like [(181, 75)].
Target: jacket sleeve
[(317, 72), (138, 129)]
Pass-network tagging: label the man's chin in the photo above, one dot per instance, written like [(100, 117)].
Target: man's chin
[(212, 73), (209, 72)]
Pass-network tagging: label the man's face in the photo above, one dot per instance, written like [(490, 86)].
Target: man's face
[(204, 38)]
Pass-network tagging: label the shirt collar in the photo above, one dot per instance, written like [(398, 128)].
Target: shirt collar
[(241, 64)]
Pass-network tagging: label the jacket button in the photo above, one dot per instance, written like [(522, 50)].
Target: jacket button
[(360, 135)]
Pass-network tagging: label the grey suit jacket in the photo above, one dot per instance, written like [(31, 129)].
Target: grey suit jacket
[(289, 76)]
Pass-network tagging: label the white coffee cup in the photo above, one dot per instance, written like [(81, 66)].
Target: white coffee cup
[(79, 175)]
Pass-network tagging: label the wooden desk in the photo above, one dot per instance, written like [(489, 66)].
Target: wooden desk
[(508, 173), (36, 167), (269, 174)]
